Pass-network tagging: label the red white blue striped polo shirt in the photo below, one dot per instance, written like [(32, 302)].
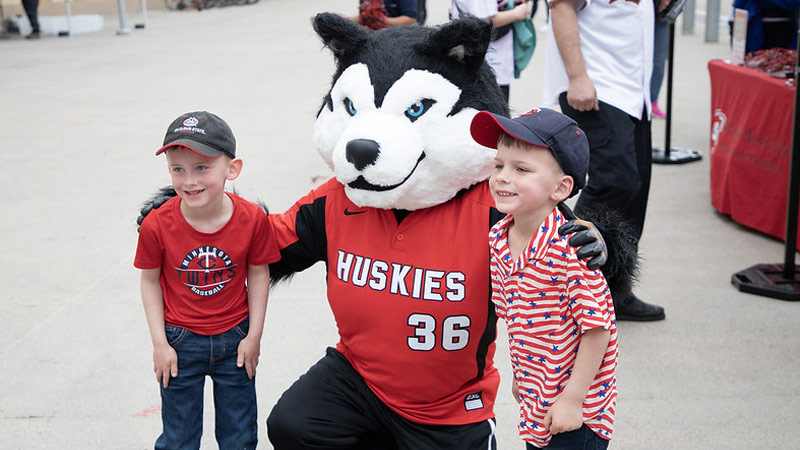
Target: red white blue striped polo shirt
[(548, 298)]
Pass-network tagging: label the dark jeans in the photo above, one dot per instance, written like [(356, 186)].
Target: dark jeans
[(331, 407), (581, 439), (620, 163), (236, 418), (32, 11), (660, 53)]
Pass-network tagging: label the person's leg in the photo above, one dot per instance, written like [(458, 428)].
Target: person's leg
[(628, 305), (329, 407), (660, 50), (234, 393), (32, 11), (473, 436), (182, 399), (643, 144), (619, 180)]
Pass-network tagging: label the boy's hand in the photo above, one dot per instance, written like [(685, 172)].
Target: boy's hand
[(564, 416), (515, 391), (165, 363), (249, 351)]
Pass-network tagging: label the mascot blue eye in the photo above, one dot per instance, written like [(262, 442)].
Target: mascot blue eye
[(348, 105), (416, 110)]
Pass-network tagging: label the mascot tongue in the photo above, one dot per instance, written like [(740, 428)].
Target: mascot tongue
[(394, 127)]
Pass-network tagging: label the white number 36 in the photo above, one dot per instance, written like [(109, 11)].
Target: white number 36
[(455, 334)]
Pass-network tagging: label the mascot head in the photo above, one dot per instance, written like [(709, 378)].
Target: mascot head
[(394, 127)]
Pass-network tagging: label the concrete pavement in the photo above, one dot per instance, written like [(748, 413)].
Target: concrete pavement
[(80, 119)]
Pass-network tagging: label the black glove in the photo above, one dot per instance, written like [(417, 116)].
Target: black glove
[(159, 199), (587, 238)]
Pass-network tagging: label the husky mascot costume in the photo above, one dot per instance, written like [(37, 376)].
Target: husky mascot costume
[(403, 230)]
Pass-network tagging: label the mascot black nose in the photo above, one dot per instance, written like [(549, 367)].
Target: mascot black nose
[(362, 152)]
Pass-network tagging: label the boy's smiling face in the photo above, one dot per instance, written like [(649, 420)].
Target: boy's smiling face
[(198, 180), (527, 181)]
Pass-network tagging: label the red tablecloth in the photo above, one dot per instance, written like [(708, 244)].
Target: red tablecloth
[(751, 136)]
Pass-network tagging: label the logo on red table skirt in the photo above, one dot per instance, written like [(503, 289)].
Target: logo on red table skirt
[(717, 125), (206, 270)]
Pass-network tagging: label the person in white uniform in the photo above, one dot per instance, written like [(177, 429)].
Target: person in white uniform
[(500, 55), (599, 60)]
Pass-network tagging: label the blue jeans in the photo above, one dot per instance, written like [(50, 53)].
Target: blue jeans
[(660, 50), (236, 418), (581, 439)]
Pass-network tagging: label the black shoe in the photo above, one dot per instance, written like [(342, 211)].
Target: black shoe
[(634, 309), (33, 35)]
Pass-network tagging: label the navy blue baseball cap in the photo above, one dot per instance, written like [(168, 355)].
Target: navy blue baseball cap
[(203, 132), (541, 127)]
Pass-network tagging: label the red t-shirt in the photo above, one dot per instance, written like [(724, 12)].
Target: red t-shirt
[(203, 274), (411, 300)]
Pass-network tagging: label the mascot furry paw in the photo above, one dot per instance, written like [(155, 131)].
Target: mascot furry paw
[(403, 230)]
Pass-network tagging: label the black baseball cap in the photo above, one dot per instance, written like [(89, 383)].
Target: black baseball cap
[(541, 127), (203, 132)]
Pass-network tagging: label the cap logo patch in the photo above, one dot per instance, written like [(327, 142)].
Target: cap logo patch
[(190, 122)]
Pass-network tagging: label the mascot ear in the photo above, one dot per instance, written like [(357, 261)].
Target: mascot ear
[(464, 40), (340, 35)]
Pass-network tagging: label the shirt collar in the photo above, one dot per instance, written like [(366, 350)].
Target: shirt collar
[(547, 235), (540, 242)]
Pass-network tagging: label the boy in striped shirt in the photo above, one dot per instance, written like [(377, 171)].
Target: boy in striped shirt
[(560, 317)]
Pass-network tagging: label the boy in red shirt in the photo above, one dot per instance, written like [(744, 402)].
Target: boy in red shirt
[(560, 317), (204, 257)]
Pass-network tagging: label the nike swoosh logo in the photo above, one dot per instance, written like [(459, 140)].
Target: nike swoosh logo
[(347, 212)]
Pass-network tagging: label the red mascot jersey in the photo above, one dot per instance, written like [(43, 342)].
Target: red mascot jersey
[(203, 274), (411, 301)]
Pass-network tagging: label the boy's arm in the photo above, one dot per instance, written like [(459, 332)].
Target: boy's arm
[(165, 360), (581, 94), (566, 414), (257, 294)]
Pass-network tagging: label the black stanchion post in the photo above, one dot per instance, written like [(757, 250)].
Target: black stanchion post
[(780, 280), (794, 185), (669, 155), (668, 125)]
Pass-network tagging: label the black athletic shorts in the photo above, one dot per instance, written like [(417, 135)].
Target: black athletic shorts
[(331, 407)]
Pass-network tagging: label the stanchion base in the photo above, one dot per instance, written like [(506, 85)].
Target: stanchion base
[(767, 280), (676, 156), (123, 31), (64, 34)]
